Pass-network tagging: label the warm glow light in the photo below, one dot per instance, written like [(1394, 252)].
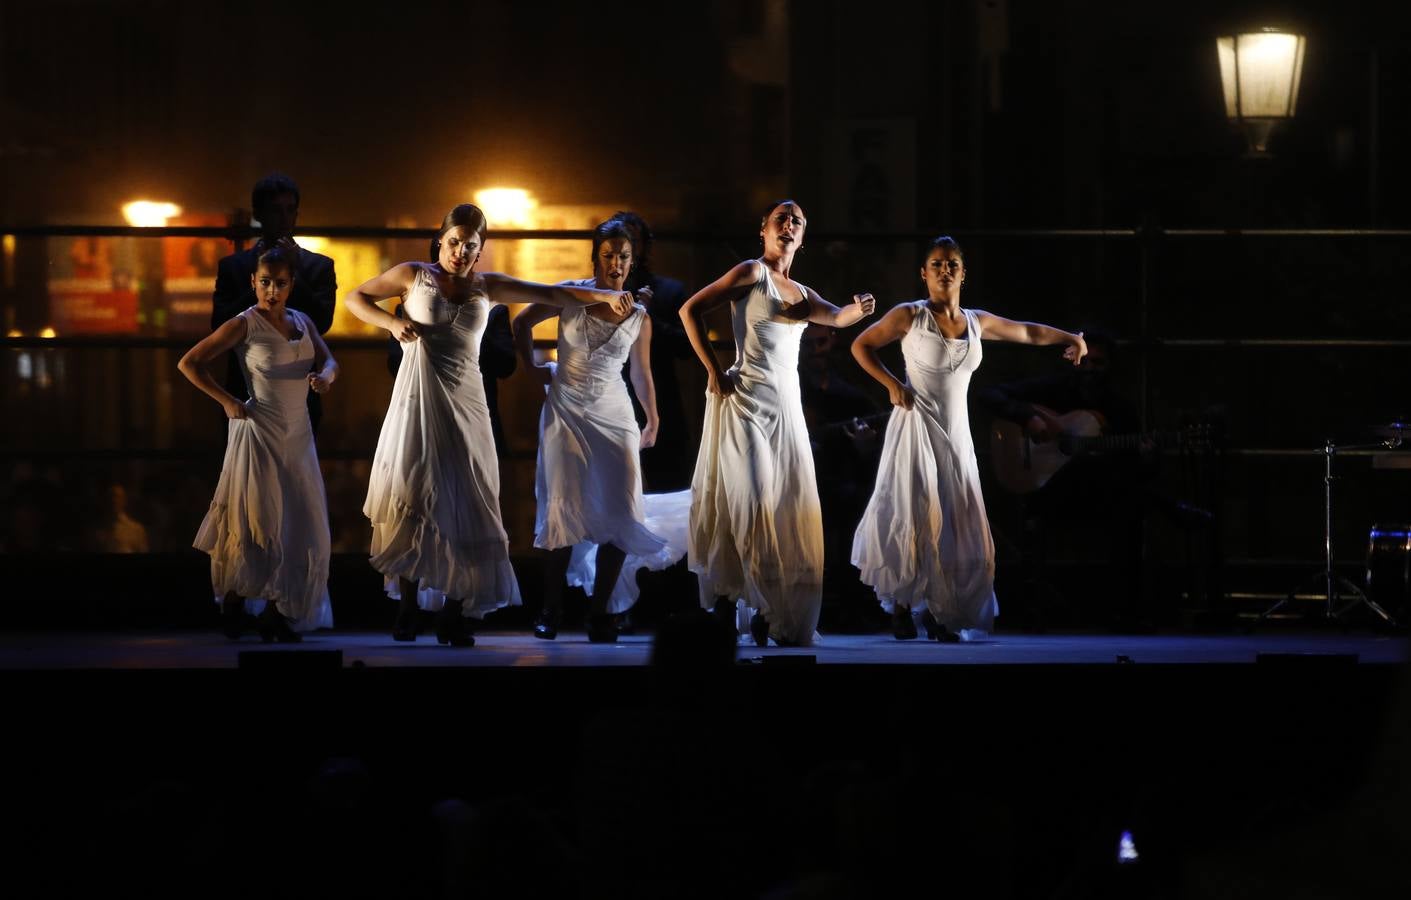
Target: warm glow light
[(507, 207), (312, 244), (149, 213), (47, 332), (14, 332), (1260, 74), (7, 244)]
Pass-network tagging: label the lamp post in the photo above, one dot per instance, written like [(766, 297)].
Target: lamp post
[(1260, 72)]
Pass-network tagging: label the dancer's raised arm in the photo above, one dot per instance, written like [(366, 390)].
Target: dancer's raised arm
[(524, 339), (728, 288), (507, 289), (890, 328), (194, 364), (821, 312), (998, 328), (362, 300)]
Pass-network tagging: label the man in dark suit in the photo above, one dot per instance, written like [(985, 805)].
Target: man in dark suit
[(275, 204), (668, 465)]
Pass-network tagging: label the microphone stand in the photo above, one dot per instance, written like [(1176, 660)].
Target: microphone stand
[(1334, 585)]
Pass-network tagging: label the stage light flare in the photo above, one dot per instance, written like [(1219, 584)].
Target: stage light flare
[(1127, 849), (507, 207), (149, 213)]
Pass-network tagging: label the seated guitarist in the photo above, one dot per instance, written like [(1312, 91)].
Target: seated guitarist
[(1032, 403), (1107, 489)]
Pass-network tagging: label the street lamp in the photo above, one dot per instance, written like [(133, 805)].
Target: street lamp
[(1260, 72)]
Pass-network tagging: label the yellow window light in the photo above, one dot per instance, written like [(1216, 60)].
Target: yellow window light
[(507, 207), (312, 244), (149, 213)]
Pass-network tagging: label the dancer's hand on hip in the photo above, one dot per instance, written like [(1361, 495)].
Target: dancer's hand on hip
[(234, 409), (405, 331), (901, 394), (720, 385)]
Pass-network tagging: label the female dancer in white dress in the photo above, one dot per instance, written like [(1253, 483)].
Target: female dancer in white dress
[(924, 541), (756, 530), (434, 494), (267, 528), (589, 481)]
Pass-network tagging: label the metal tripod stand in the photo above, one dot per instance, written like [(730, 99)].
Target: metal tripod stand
[(1336, 587)]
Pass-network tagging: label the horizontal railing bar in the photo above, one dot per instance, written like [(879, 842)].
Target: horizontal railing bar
[(156, 453), (335, 231), (355, 342), (510, 234)]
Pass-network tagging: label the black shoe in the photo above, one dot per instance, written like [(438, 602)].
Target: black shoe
[(546, 626), (602, 629), (759, 629), (936, 631), (624, 623), (274, 627), (450, 627), (232, 619), (903, 625), (724, 610), (405, 626)]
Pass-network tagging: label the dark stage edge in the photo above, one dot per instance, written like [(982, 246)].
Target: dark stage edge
[(1017, 763), (203, 650)]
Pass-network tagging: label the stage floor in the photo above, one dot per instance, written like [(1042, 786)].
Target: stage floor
[(201, 650)]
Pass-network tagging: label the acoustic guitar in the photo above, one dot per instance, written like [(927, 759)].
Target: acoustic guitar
[(1022, 465)]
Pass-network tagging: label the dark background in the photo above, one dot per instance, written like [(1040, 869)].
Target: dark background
[(996, 122)]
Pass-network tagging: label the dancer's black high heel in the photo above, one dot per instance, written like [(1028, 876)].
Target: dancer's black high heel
[(404, 627), (759, 629), (450, 625), (724, 610), (936, 631), (602, 629), (903, 625), (274, 627), (546, 625), (232, 616)]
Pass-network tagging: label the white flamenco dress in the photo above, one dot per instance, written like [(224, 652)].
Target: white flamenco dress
[(924, 540), (588, 481), (756, 527), (434, 495), (267, 527)]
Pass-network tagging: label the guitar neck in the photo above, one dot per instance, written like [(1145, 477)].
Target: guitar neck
[(1124, 441)]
